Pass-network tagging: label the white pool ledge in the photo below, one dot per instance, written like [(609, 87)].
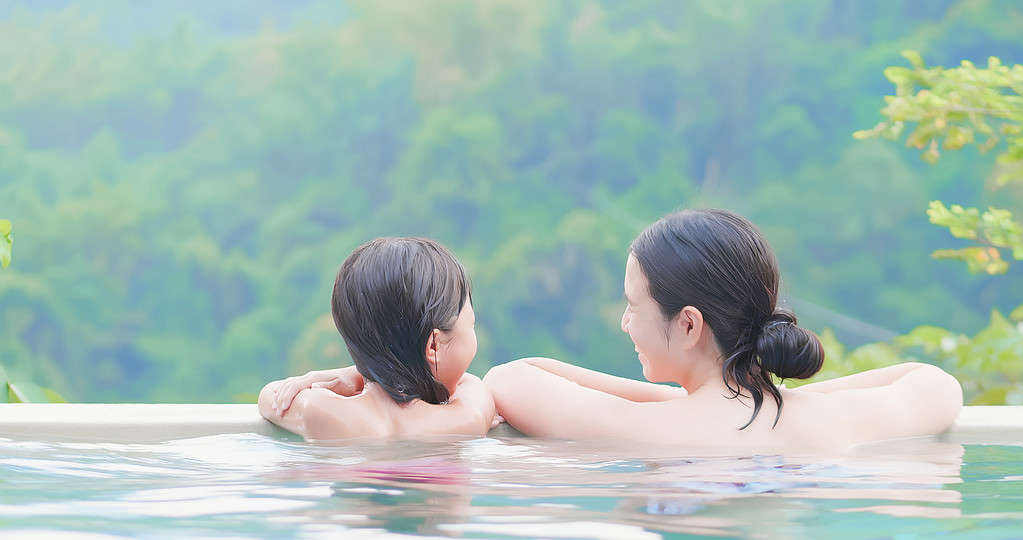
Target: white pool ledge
[(145, 423), (128, 422)]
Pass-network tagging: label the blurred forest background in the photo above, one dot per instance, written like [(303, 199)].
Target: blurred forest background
[(185, 178)]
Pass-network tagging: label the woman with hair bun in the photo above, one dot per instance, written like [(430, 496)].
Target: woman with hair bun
[(701, 288)]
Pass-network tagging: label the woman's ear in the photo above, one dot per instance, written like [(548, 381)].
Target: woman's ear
[(432, 344), (690, 325)]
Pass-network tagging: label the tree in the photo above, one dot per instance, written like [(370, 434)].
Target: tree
[(957, 107), (954, 106)]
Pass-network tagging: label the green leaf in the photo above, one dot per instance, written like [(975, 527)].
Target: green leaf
[(991, 396), (914, 58), (53, 397), (961, 222), (245, 397), (1017, 314), (978, 259), (25, 392), (931, 338), (5, 227), (899, 76), (6, 245)]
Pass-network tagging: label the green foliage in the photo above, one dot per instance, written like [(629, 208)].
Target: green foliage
[(6, 243), (22, 392), (954, 107), (987, 364), (189, 206), (994, 229)]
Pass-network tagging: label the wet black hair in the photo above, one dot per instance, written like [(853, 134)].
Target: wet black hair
[(720, 263), (389, 295)]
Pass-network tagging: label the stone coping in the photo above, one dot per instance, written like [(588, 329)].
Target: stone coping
[(148, 423)]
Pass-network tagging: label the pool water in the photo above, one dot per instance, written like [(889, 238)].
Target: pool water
[(253, 486)]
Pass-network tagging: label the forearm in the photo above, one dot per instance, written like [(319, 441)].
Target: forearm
[(868, 379), (622, 387), (347, 380)]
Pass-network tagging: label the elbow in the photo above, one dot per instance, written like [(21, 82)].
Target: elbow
[(947, 395), (266, 401), (954, 391)]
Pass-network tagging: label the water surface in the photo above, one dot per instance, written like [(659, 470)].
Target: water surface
[(254, 486)]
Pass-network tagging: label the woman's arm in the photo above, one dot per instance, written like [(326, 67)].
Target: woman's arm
[(622, 387), (294, 422), (867, 379), (542, 403), (321, 414), (345, 381), (921, 400)]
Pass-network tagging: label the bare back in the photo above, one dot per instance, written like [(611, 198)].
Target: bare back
[(320, 414), (903, 402)]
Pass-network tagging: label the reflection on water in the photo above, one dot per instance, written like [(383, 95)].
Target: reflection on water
[(254, 486)]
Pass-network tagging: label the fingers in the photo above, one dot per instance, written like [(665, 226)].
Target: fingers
[(285, 394), (329, 385), (498, 419)]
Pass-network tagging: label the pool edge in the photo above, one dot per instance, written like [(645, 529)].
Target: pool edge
[(148, 422)]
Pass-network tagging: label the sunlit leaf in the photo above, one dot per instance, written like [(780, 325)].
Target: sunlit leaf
[(52, 396), (914, 58), (1017, 314), (245, 397), (991, 396), (26, 392), (6, 243)]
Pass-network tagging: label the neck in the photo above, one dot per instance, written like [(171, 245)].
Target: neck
[(703, 371)]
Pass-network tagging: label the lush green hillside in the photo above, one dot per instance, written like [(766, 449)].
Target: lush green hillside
[(185, 180)]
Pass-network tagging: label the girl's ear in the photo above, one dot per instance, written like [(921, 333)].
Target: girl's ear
[(431, 350)]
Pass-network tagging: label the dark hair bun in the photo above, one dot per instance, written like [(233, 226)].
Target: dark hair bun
[(787, 350)]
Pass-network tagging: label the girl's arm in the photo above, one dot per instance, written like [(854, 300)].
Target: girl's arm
[(622, 387)]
